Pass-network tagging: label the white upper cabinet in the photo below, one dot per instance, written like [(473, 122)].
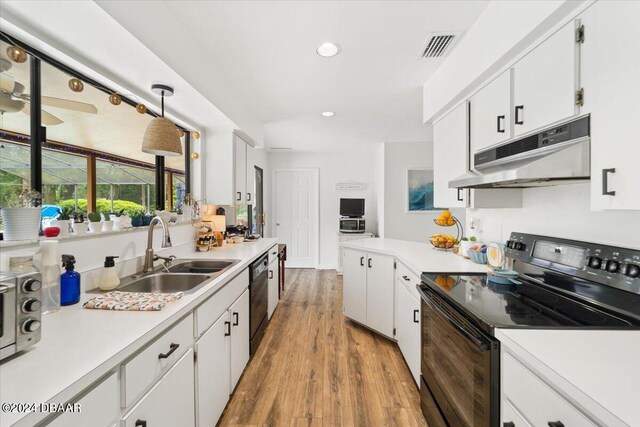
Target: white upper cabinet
[(250, 173), (450, 150), (611, 80), (229, 166), (490, 113), (544, 82), (240, 161)]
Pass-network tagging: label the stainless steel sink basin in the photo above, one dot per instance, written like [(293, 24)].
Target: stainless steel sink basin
[(165, 283), (203, 266)]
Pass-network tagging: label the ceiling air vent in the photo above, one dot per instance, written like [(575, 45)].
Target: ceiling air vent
[(438, 44)]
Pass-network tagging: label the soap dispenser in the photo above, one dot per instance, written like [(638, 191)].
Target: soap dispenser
[(69, 282), (109, 279)]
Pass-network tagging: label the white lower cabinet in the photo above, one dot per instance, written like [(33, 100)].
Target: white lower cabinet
[(272, 294), (528, 400), (99, 407), (170, 402), (408, 325), (222, 354), (368, 289)]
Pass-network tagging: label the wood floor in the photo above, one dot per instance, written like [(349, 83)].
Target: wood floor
[(315, 368)]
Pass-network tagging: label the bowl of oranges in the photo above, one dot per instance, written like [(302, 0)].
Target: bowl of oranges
[(443, 240), (445, 219)]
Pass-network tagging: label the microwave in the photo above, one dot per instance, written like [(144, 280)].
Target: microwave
[(352, 225), (20, 311)]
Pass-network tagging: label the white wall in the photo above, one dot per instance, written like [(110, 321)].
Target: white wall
[(379, 183), (561, 211), (398, 222), (334, 168)]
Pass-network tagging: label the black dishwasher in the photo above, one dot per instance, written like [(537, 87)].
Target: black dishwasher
[(258, 293)]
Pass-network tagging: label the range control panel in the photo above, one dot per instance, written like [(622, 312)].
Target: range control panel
[(608, 265)]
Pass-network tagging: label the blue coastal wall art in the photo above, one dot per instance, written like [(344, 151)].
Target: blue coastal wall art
[(420, 190)]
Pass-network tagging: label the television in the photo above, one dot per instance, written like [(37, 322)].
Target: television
[(352, 208)]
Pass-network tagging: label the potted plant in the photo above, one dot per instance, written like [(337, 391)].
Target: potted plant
[(187, 207), (465, 244), (79, 226), (95, 222), (22, 216), (107, 223), (179, 215), (63, 221), (137, 219), (120, 220), (146, 220)]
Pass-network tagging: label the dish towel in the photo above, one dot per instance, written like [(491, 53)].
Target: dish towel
[(131, 301)]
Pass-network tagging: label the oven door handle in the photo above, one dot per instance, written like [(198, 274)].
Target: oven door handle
[(483, 345), (4, 289)]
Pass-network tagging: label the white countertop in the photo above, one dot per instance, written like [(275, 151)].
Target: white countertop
[(418, 257), (79, 346), (602, 365)]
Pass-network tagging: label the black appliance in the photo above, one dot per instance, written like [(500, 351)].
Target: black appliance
[(560, 284), (352, 208), (258, 303), (352, 225)]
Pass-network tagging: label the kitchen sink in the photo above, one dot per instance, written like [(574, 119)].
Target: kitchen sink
[(204, 266), (165, 283)]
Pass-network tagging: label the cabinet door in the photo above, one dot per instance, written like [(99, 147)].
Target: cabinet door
[(239, 313), (450, 150), (354, 285), (544, 82), (490, 113), (408, 328), (240, 162), (250, 175), (171, 402), (213, 371), (99, 407), (609, 73), (273, 287), (510, 417), (380, 281)]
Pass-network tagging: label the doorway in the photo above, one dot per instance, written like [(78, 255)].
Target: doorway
[(295, 215), (257, 213)]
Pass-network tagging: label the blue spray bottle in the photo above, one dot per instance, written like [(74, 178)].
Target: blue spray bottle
[(69, 282)]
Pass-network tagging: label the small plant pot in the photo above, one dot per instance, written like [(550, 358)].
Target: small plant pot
[(146, 220), (137, 222), (95, 227), (121, 222), (64, 226), (21, 223), (80, 228), (107, 225), (179, 217), (186, 215)]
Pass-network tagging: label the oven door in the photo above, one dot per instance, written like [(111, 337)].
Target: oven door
[(459, 368), (7, 315)]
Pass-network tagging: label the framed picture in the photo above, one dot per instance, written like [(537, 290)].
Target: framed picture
[(420, 190)]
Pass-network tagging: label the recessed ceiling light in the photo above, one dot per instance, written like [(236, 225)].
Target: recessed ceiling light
[(328, 114), (328, 49)]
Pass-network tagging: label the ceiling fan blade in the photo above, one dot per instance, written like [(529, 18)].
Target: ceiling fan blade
[(47, 118), (69, 104)]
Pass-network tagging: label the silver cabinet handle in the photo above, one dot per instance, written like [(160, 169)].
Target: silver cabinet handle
[(605, 182)]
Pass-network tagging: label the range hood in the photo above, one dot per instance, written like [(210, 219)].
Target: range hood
[(556, 155)]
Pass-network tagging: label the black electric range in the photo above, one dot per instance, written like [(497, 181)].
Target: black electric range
[(560, 284)]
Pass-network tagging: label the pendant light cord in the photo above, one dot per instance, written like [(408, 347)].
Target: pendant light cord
[(162, 102)]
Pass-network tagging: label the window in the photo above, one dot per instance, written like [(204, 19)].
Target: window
[(124, 187)]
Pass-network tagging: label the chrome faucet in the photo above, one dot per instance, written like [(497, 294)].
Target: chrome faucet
[(149, 256)]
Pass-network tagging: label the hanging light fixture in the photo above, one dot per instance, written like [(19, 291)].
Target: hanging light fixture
[(196, 135), (141, 108), (76, 85), (180, 133), (161, 137), (17, 54), (115, 99)]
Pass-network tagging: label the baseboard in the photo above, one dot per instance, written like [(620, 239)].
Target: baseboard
[(327, 266)]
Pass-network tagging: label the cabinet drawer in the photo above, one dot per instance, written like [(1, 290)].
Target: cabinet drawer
[(408, 279), (171, 402), (273, 254), (99, 407), (212, 309), (511, 417), (534, 399), (140, 372)]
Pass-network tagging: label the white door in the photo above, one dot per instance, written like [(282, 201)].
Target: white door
[(296, 215), (408, 328), (213, 371), (544, 82), (239, 313), (609, 72), (240, 162), (354, 285), (490, 113), (170, 402), (380, 281), (450, 150), (274, 269)]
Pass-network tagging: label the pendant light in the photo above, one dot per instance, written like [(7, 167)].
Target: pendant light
[(161, 137)]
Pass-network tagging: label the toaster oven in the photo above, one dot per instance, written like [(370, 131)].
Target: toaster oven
[(352, 225), (20, 311)]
